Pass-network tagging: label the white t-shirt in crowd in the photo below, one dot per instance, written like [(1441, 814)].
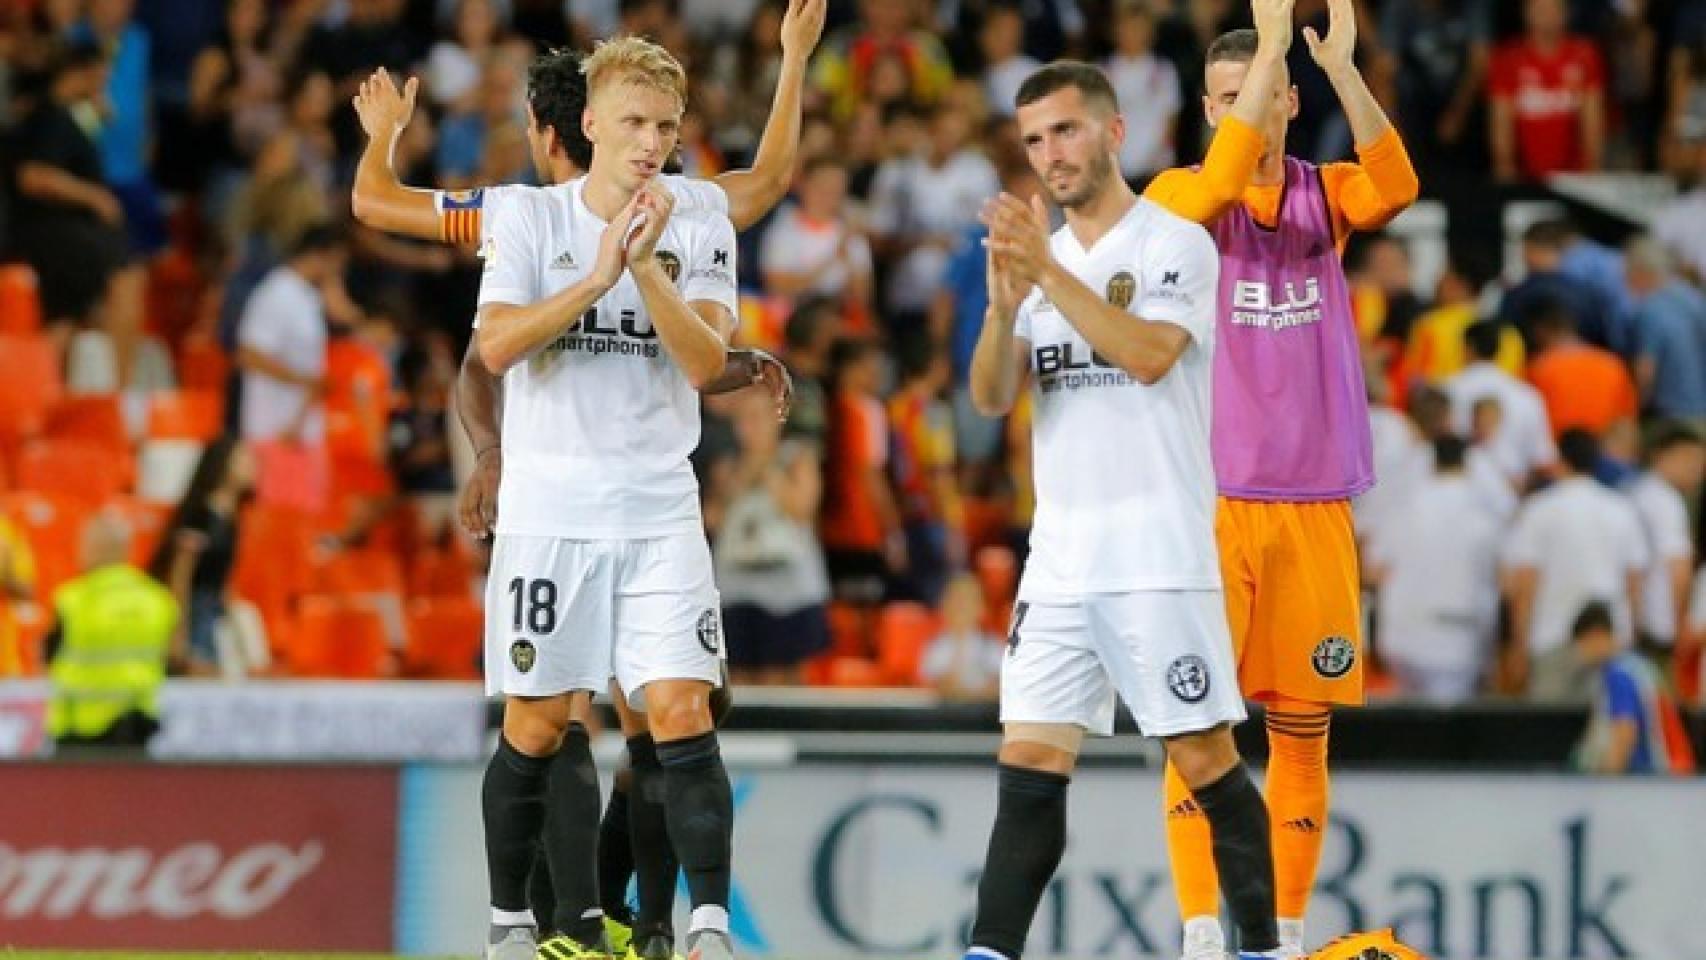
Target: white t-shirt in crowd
[(1664, 520), (285, 320), (1124, 479), (1524, 441), (794, 243), (1584, 540), (1148, 92), (1439, 601), (1397, 445), (911, 198), (599, 423)]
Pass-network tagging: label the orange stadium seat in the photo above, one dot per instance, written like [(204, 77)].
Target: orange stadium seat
[(445, 638), (185, 415), (903, 631), (92, 418), (93, 473), (274, 549), (359, 572), (29, 383), (848, 630), (338, 637), (147, 525), (20, 300), (53, 526), (202, 365), (442, 572)]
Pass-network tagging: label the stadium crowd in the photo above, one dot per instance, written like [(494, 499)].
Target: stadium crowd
[(175, 224)]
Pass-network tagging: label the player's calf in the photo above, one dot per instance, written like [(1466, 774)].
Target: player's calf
[(1238, 822), (699, 801)]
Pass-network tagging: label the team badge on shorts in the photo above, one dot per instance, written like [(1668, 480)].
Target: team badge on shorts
[(524, 655), (1333, 657), (1187, 677), (708, 631), (1122, 287), (671, 265)]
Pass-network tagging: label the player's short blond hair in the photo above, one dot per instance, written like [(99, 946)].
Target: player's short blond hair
[(634, 60)]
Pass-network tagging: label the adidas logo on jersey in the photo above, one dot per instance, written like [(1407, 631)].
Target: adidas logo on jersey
[(564, 261)]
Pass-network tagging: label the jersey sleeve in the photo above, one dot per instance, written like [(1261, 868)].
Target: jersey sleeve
[(1203, 194), (703, 195), (1181, 276), (1367, 194), (711, 271), (511, 273), (462, 214)]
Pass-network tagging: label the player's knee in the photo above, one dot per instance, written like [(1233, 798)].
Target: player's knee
[(677, 710), (1052, 748), (536, 726), (1204, 757)]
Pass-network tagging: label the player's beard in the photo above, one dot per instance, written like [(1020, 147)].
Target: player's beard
[(1100, 168)]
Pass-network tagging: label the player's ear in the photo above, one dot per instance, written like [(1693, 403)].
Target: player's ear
[(1208, 111), (1116, 131), (587, 125)]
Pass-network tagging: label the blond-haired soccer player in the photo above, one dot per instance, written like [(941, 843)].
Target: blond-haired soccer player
[(607, 309)]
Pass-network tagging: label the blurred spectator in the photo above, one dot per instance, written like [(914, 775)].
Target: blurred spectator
[(1677, 225), (114, 631), (921, 204), (1547, 95), (1441, 48), (452, 72), (749, 70), (282, 353), (956, 320), (1582, 385), (419, 440), (850, 65), (1051, 28), (124, 137), (862, 534), (1676, 460), (199, 547), (1437, 348), (462, 136), (812, 247), (1436, 563), (923, 472), (312, 100), (234, 105), (1005, 65), (17, 588), (1431, 409), (1634, 727), (770, 568), (1148, 90), (1574, 543), (1397, 447), (1545, 246), (1519, 438), (963, 662), (1682, 146), (75, 240), (810, 339), (1386, 301), (372, 33), (1670, 334)]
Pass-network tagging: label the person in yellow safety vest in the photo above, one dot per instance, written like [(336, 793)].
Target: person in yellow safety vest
[(108, 649)]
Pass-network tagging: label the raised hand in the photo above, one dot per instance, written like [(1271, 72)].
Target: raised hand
[(1019, 235), (381, 107), (1338, 51), (1273, 24), (802, 26)]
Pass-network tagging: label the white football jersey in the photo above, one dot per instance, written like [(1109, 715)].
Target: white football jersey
[(1124, 479), (598, 424)]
